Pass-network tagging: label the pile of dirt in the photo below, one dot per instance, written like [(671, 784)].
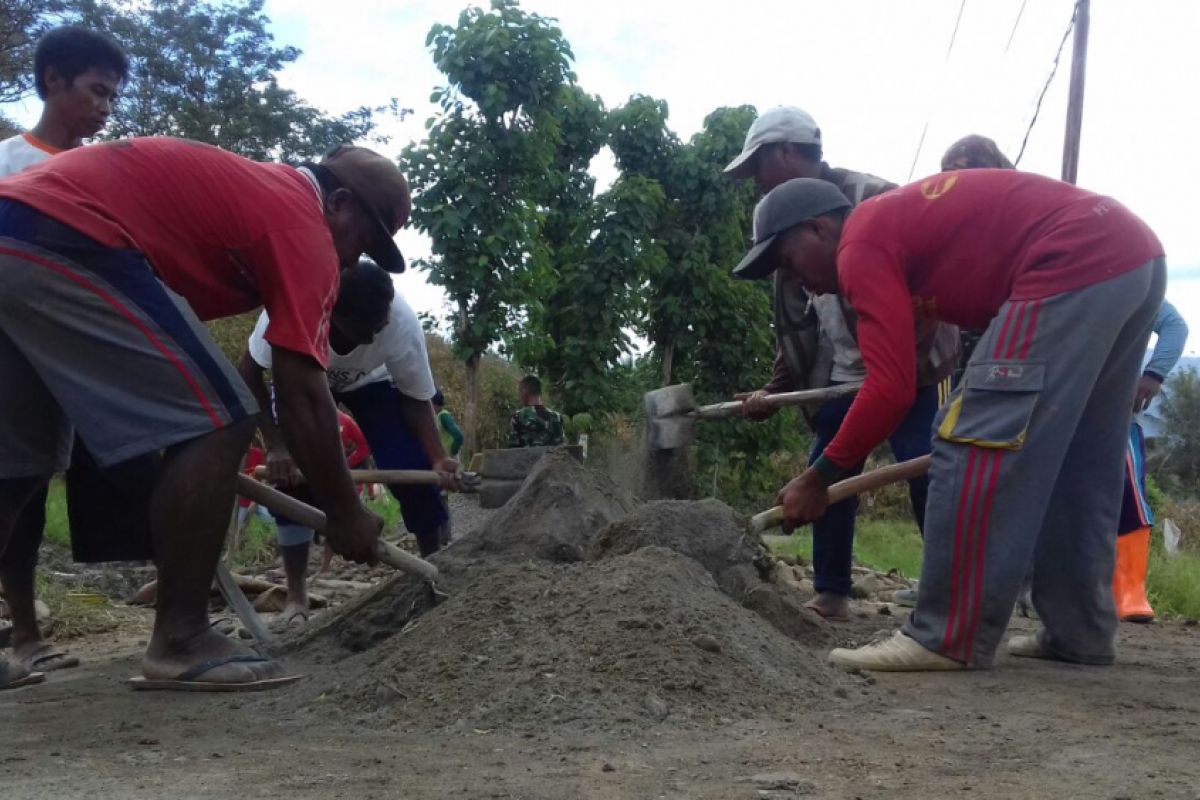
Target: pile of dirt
[(633, 640), (554, 515), (571, 606), (718, 538)]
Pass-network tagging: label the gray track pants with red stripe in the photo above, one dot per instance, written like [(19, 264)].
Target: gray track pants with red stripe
[(1027, 470)]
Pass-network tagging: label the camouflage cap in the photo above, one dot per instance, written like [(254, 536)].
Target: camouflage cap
[(974, 152)]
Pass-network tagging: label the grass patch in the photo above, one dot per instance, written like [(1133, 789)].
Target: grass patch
[(1174, 584), (881, 544), (72, 616)]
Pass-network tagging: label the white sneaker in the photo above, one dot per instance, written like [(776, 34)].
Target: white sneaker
[(1026, 647), (900, 653)]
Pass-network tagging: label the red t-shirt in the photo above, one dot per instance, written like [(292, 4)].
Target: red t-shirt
[(354, 444), (955, 247), (226, 233)]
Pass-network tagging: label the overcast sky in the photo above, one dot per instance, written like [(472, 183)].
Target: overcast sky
[(874, 73)]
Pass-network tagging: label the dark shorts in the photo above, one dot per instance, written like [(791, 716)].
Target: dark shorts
[(92, 340), (376, 409)]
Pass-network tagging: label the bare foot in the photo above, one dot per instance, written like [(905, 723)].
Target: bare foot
[(830, 605), (168, 660)]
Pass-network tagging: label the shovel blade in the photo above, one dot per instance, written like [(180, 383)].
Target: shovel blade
[(669, 401), (670, 433)]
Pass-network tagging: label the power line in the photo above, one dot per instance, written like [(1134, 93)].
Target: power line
[(962, 7), (1016, 22), (1049, 79), (924, 130)]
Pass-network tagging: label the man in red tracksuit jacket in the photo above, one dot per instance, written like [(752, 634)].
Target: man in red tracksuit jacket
[(1027, 455)]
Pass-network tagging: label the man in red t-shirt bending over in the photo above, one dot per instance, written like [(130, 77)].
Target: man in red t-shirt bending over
[(110, 256), (1027, 456)]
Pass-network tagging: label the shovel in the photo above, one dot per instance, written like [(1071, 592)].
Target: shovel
[(671, 412), (467, 481), (314, 518), (875, 479)]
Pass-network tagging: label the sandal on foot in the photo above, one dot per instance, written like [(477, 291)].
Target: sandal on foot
[(10, 681), (187, 680), (48, 658), (297, 619)]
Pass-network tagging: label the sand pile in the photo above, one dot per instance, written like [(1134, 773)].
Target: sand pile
[(572, 607), (631, 641), (553, 517)]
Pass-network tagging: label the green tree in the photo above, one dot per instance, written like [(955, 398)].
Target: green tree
[(1181, 412), (593, 304), (22, 22), (480, 175), (209, 71), (706, 327)]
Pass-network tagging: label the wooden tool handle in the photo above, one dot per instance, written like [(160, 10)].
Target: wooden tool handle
[(875, 479), (314, 518), (780, 400), (407, 477)]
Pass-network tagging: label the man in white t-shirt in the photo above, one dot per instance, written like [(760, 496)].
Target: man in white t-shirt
[(78, 73), (379, 370)]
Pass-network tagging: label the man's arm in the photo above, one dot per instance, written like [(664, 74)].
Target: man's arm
[(886, 335), (514, 431), (1172, 333), (309, 421), (281, 469), (420, 419)]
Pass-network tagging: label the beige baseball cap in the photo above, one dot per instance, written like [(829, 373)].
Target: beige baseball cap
[(780, 124)]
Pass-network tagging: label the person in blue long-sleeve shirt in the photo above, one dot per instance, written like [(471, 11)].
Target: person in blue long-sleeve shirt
[(1133, 539)]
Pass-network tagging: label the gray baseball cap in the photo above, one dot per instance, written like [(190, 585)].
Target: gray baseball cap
[(781, 124), (785, 207)]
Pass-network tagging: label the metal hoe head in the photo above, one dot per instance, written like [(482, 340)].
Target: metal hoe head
[(668, 425)]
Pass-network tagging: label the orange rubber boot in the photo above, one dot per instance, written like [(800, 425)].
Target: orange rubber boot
[(1129, 577)]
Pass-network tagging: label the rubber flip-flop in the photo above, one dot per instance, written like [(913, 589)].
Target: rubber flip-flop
[(297, 619), (186, 681), (48, 658), (25, 680)]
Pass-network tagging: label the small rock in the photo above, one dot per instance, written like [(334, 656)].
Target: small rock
[(42, 611), (657, 707), (866, 586), (841, 692), (707, 643), (790, 560), (806, 586), (885, 611), (768, 781), (608, 767)]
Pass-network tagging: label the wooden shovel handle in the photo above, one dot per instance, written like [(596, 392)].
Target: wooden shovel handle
[(314, 518), (780, 400), (875, 479), (406, 477)]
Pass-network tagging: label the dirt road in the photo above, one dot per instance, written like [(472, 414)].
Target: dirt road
[(1024, 729)]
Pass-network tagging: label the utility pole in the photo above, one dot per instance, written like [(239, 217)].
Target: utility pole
[(1070, 168)]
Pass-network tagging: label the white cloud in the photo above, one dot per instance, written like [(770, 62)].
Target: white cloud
[(873, 72)]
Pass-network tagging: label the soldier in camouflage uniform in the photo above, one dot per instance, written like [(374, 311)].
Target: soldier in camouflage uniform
[(534, 425)]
